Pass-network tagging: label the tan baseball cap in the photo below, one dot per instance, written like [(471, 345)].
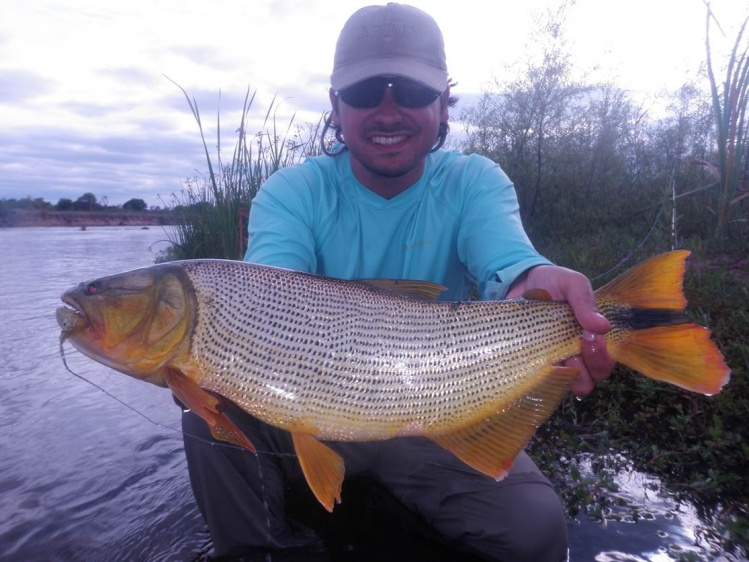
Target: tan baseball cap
[(390, 40)]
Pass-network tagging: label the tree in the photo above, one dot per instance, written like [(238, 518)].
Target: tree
[(86, 202), (64, 204), (585, 157), (519, 125), (135, 205)]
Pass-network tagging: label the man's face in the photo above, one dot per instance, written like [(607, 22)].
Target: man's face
[(389, 142)]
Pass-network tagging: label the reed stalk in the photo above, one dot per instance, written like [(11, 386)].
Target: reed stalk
[(213, 211), (730, 100)]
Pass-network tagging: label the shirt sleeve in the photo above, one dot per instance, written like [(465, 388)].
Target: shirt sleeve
[(280, 232), (492, 241)]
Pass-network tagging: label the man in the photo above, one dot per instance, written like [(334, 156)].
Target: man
[(385, 204)]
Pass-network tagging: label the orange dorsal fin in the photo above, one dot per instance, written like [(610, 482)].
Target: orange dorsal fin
[(421, 290), (322, 467), (537, 295), (490, 445), (658, 339), (682, 355), (208, 406)]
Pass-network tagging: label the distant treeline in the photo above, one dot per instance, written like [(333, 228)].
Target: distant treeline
[(87, 210), (83, 219), (86, 202)]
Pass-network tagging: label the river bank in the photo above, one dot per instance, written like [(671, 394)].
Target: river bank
[(21, 217)]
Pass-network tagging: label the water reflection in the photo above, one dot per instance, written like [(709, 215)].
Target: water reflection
[(643, 523)]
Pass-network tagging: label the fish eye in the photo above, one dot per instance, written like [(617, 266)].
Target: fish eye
[(91, 289)]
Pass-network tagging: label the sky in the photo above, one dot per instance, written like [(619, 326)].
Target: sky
[(88, 101)]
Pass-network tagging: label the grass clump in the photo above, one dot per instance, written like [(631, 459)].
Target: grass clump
[(211, 213)]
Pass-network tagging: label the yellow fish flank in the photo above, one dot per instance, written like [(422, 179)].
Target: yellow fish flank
[(327, 359)]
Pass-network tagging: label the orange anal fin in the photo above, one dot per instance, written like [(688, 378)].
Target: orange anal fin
[(683, 355), (209, 407), (491, 444), (322, 467)]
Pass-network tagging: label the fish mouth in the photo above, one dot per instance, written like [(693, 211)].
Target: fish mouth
[(72, 305), (71, 318)]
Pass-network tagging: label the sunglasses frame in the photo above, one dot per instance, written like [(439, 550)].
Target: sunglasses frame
[(369, 93)]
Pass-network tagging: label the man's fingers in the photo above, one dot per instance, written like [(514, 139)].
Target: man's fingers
[(583, 384), (595, 356)]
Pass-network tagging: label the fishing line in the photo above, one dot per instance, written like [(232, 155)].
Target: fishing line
[(159, 424), (632, 253)]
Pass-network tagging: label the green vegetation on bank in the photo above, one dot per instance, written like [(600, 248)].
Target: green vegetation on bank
[(86, 202), (602, 183), (87, 210)]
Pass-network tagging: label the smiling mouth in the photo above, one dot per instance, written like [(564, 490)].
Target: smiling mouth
[(379, 139)]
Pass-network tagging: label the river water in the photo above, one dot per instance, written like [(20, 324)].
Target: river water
[(83, 477)]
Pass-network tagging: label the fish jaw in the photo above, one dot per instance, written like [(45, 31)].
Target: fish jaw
[(70, 322), (134, 322)]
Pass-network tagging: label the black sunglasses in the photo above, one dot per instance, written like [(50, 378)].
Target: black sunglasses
[(369, 93)]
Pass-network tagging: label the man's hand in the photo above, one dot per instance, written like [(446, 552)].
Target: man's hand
[(594, 363)]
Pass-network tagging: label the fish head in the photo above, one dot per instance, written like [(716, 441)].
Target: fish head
[(134, 322)]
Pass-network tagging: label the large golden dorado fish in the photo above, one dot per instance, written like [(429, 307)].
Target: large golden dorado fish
[(327, 359)]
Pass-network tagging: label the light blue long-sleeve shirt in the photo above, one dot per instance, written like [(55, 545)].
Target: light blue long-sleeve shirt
[(458, 226)]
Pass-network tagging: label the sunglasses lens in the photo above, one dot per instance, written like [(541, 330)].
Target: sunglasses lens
[(414, 95), (369, 93), (364, 95)]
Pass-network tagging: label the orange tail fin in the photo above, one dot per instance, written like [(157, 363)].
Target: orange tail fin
[(650, 332)]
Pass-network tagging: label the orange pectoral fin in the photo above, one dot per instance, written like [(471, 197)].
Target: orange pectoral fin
[(207, 406), (490, 445), (322, 467)]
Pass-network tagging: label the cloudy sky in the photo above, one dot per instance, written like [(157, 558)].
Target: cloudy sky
[(85, 105)]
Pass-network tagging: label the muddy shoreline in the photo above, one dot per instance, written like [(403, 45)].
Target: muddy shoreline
[(82, 219)]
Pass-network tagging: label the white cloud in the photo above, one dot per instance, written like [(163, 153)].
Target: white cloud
[(85, 105)]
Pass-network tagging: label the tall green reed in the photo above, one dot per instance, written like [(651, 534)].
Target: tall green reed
[(212, 212), (729, 105)]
